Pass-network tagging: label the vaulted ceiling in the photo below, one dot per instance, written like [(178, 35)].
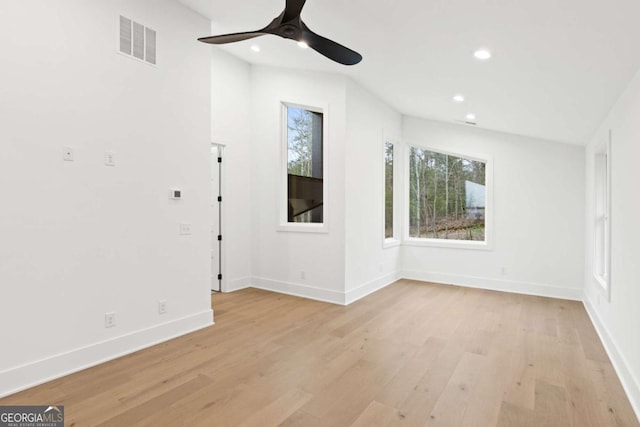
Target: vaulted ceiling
[(557, 66)]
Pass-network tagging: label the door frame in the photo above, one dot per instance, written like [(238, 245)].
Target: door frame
[(221, 215)]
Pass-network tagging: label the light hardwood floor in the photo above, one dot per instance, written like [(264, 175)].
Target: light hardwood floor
[(412, 354)]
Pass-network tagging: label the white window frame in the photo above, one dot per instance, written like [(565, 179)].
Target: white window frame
[(395, 240), (283, 224), (487, 244), (602, 214)]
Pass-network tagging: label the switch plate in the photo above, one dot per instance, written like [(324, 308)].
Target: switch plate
[(109, 158), (185, 229), (67, 153)]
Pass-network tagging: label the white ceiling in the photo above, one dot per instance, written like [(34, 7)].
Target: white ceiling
[(557, 68)]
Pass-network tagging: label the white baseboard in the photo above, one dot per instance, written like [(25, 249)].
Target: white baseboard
[(513, 286), (346, 298), (295, 289), (362, 291), (630, 384), (237, 284), (32, 374)]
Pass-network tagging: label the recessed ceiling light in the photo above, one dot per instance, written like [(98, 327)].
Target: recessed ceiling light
[(255, 48), (482, 54), (458, 98), (470, 116), (303, 45)]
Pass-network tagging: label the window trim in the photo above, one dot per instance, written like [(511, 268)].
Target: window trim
[(487, 244), (603, 282), (283, 224), (396, 239)]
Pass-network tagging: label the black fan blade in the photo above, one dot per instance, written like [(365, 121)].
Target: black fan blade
[(230, 38), (329, 48), (292, 9)]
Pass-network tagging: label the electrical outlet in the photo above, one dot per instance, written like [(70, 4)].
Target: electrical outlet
[(185, 229), (162, 307), (109, 158), (504, 271), (67, 153), (303, 275), (109, 320)]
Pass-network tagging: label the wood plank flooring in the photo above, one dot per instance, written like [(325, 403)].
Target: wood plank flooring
[(412, 354)]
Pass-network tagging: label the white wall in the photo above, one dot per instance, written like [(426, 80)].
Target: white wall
[(253, 153), (536, 182), (79, 239), (280, 256), (367, 265), (538, 218), (617, 320), (231, 126)]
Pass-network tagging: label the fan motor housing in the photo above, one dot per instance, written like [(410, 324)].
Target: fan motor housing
[(290, 31)]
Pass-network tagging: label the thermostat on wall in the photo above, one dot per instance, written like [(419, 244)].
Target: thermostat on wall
[(176, 194)]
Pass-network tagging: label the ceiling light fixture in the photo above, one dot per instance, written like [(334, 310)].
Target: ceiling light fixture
[(470, 117), (303, 45), (482, 54), (255, 48), (458, 98)]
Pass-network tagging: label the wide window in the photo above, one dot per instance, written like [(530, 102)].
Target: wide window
[(388, 190), (601, 258), (305, 165), (447, 197)]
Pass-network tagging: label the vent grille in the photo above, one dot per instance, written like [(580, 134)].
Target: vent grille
[(150, 47), (125, 35), (137, 41)]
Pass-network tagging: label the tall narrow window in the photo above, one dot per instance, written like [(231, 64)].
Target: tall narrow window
[(388, 190), (601, 261), (447, 196), (305, 181)]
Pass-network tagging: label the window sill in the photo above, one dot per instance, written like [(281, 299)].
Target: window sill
[(390, 243), (450, 244), (303, 228)]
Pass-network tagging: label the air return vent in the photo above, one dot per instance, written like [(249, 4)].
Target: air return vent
[(150, 45), (137, 41), (125, 35)]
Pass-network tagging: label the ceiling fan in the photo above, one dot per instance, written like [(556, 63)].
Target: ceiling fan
[(289, 25)]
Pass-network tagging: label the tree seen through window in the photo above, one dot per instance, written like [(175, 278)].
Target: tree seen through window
[(446, 196)]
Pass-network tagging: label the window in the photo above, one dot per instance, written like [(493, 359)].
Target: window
[(602, 228), (305, 184), (447, 197), (388, 190)]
